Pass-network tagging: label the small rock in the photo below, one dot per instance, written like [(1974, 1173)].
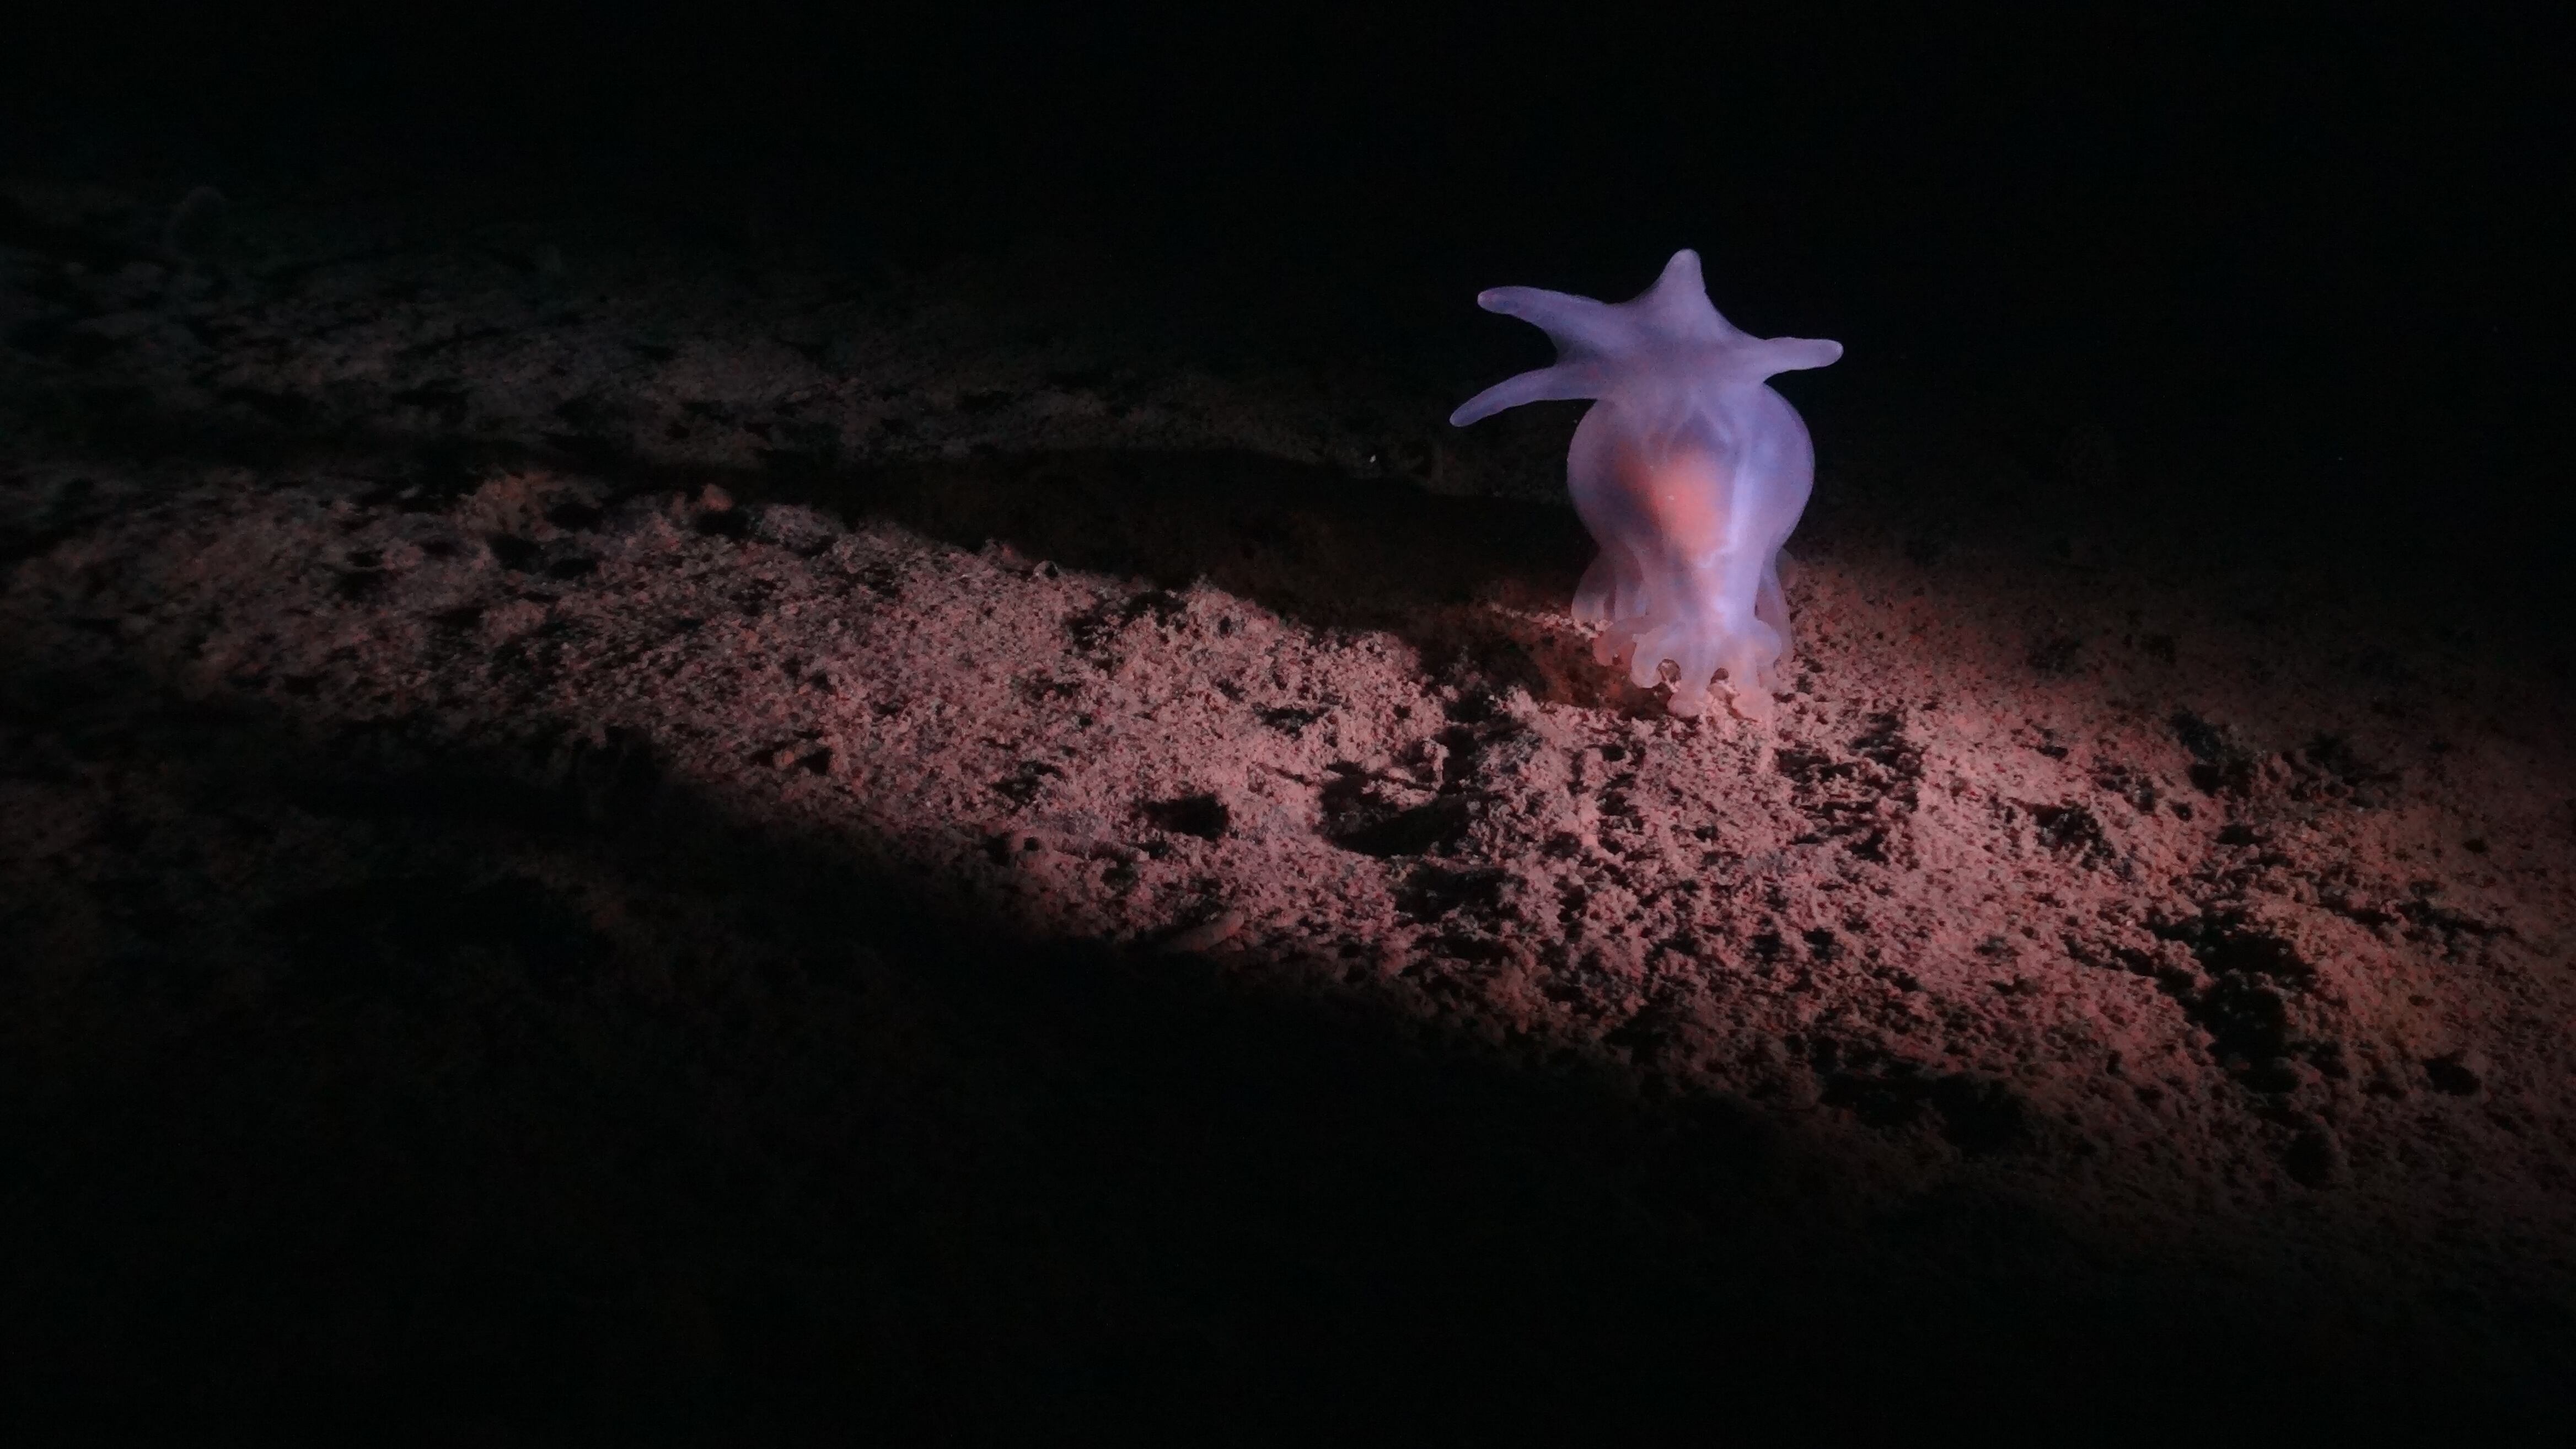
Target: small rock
[(2316, 1158), (1207, 934)]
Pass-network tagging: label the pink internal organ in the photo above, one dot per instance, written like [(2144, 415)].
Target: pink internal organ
[(1680, 578)]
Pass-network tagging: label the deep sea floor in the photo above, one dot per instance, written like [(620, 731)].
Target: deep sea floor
[(605, 830)]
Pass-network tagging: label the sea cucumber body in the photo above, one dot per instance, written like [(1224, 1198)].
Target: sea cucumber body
[(1690, 505), (1688, 470)]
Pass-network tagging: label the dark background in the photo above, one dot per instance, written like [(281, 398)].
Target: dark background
[(2308, 272), (2311, 268)]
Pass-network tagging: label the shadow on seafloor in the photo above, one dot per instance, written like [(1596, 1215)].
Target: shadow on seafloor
[(570, 1097)]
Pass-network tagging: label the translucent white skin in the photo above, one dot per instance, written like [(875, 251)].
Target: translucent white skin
[(1688, 471)]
